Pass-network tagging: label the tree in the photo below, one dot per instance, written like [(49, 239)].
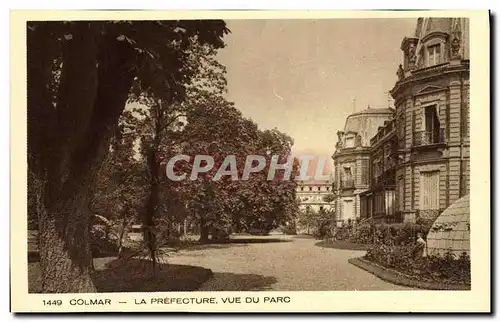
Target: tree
[(269, 203), (160, 133), (218, 129), (307, 218), (118, 193), (324, 223), (80, 75)]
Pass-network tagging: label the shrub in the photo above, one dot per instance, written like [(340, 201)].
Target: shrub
[(363, 234), (323, 229), (369, 233), (448, 268), (102, 245)]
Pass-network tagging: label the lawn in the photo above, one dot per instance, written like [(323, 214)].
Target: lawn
[(134, 275)]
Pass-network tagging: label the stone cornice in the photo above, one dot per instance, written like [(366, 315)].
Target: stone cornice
[(425, 74), (406, 41), (351, 151)]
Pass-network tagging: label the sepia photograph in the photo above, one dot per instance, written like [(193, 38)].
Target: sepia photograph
[(168, 156)]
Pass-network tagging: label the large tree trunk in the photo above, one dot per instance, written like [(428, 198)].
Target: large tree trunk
[(65, 254), (64, 217), (66, 157)]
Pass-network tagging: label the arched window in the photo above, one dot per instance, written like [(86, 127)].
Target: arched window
[(433, 48)]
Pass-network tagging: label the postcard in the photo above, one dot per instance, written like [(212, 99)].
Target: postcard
[(250, 161)]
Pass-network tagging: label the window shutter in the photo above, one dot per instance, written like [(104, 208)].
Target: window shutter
[(429, 190)]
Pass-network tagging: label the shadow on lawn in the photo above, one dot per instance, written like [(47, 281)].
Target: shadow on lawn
[(238, 282), (135, 275)]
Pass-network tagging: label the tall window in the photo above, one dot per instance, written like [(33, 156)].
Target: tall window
[(429, 190), (364, 173), (432, 125), (347, 173), (434, 54)]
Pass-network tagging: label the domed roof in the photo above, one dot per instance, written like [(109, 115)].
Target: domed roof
[(372, 111), (451, 230), (366, 122)]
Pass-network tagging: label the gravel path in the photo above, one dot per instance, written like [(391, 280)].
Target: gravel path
[(279, 263)]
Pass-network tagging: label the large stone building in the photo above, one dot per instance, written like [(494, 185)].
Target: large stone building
[(351, 160), (432, 118), (420, 158)]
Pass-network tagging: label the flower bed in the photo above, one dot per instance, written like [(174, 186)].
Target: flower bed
[(399, 278), (393, 246), (447, 269)]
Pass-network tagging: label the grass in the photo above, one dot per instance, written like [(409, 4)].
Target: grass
[(134, 275)]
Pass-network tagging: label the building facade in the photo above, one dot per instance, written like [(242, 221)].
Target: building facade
[(419, 160), (312, 194), (432, 118), (379, 202), (352, 160)]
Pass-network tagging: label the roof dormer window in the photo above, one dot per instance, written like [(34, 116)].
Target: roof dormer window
[(434, 55), (349, 142)]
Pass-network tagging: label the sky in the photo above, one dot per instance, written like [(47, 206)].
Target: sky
[(301, 76)]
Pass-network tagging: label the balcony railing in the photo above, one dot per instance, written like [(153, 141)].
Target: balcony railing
[(347, 183), (423, 138)]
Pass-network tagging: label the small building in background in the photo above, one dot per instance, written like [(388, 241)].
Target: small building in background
[(314, 197), (315, 194)]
